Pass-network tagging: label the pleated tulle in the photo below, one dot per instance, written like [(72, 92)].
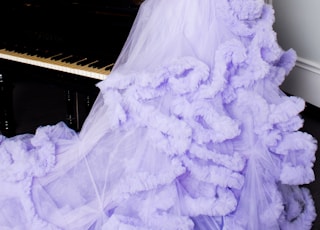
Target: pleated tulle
[(189, 131)]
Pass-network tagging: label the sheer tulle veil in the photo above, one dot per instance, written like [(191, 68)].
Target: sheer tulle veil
[(177, 26), (163, 31)]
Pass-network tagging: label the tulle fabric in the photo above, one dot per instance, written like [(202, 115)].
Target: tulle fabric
[(190, 131), (167, 30)]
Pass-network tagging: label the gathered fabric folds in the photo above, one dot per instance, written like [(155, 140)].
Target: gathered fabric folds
[(190, 131)]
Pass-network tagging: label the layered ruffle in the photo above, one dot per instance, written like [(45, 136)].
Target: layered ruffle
[(23, 158), (230, 127), (175, 145)]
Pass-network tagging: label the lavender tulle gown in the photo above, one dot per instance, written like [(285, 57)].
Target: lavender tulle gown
[(189, 131)]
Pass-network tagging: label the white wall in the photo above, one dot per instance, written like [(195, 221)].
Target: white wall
[(297, 25)]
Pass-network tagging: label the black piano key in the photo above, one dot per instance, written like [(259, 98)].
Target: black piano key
[(22, 50), (32, 52), (39, 53), (92, 65), (108, 67), (60, 57), (73, 59), (11, 48), (99, 64), (14, 48), (86, 62), (47, 53), (17, 48)]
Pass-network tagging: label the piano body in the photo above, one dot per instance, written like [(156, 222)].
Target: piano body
[(71, 44)]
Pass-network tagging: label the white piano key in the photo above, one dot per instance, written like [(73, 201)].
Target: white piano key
[(84, 71)]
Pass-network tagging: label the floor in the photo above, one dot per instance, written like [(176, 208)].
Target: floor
[(44, 104)]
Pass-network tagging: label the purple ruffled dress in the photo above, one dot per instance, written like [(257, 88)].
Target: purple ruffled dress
[(189, 131)]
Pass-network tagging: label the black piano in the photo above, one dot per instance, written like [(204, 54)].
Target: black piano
[(68, 45)]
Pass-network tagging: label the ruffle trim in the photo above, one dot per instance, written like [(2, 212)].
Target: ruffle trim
[(25, 157), (299, 206), (29, 155)]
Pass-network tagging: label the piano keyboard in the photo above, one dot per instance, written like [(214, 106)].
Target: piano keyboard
[(59, 62)]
